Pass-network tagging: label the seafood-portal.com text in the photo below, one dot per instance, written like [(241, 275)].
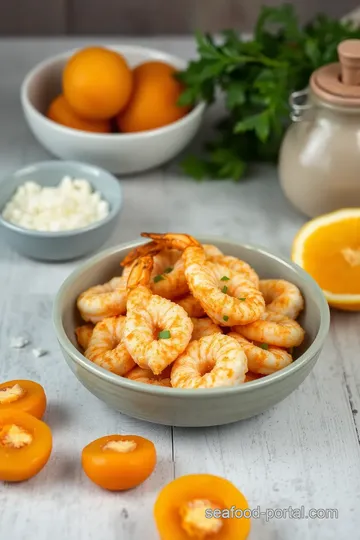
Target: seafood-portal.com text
[(272, 513)]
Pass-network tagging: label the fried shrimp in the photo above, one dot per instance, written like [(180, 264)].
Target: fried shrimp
[(212, 361), (239, 267), (226, 296), (151, 248), (252, 376), (83, 334), (187, 315), (107, 300), (106, 346), (168, 276), (157, 330), (204, 327), (173, 240), (282, 297), (192, 306), (146, 376), (211, 251), (273, 329), (262, 361)]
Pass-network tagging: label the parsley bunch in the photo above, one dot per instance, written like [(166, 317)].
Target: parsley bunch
[(256, 78)]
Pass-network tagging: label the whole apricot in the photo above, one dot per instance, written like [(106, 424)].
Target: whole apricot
[(97, 83), (60, 111), (153, 103)]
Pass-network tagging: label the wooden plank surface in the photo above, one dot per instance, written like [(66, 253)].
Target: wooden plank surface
[(304, 452)]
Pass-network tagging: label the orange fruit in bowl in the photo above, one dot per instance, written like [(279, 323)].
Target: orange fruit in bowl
[(60, 111), (328, 248), (153, 103), (97, 83)]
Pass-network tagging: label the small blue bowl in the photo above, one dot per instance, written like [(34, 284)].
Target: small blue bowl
[(63, 245)]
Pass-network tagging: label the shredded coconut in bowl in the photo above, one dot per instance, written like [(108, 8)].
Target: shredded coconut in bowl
[(71, 205)]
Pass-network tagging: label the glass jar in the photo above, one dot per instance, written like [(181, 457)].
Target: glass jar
[(319, 162)]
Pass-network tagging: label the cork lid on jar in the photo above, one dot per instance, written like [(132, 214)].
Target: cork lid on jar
[(339, 83)]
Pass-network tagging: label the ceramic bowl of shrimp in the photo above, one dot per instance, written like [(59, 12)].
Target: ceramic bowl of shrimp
[(190, 332)]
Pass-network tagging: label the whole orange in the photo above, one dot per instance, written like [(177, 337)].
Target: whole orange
[(60, 111), (97, 83), (153, 103)]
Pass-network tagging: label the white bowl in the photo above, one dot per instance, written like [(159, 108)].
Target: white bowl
[(119, 153)]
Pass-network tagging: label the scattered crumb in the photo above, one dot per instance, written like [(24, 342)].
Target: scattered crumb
[(19, 342), (39, 352)]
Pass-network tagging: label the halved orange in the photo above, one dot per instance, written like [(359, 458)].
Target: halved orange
[(328, 248)]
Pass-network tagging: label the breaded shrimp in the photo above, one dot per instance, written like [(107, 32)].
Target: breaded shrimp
[(106, 346), (282, 297), (213, 361), (204, 327), (83, 334), (273, 329), (157, 331), (146, 376), (263, 361)]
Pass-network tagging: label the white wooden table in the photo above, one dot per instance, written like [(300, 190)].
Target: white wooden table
[(303, 453)]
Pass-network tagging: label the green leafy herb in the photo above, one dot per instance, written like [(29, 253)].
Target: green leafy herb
[(224, 278), (225, 318), (256, 78), (224, 289), (264, 346), (168, 270), (242, 299), (164, 334), (158, 278)]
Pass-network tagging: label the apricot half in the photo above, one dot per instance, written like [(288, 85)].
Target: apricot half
[(201, 506), (119, 462), (25, 445), (23, 395)]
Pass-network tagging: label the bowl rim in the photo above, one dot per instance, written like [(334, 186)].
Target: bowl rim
[(196, 111), (200, 393), (60, 164)]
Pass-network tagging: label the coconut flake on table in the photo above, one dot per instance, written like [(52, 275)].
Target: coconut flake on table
[(71, 205), (19, 342), (39, 352)]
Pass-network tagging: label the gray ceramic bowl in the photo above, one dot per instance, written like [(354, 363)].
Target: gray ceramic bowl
[(67, 245), (191, 408)]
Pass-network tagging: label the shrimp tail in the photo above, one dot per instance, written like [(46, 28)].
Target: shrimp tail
[(141, 272), (151, 248), (172, 240)]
